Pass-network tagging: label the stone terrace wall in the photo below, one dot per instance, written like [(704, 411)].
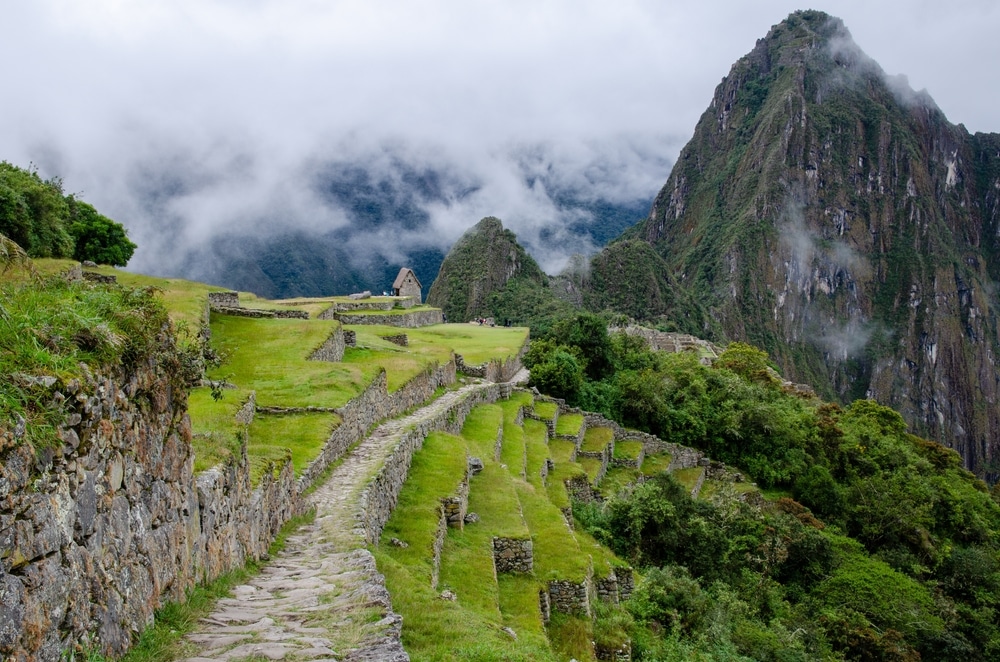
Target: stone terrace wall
[(351, 306), (513, 555), (411, 320), (332, 349), (96, 533), (380, 496), (223, 300), (371, 406), (569, 597), (494, 370)]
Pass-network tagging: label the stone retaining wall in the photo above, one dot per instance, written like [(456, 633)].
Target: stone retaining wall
[(439, 536), (332, 349), (223, 300), (494, 370), (379, 497), (350, 338), (512, 555), (246, 413), (412, 319), (261, 313), (622, 653), (569, 597), (401, 340), (97, 533)]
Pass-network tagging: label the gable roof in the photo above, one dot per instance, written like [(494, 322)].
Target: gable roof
[(402, 274)]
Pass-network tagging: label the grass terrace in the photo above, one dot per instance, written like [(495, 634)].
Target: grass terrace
[(435, 473), (556, 553), (592, 467), (477, 344), (537, 450), (595, 440), (654, 464), (299, 436), (569, 424), (616, 479), (689, 477), (546, 410), (480, 430), (521, 612), (627, 450)]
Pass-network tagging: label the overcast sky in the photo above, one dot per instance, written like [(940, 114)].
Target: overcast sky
[(223, 106)]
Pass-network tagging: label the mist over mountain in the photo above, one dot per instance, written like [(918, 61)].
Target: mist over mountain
[(833, 216)]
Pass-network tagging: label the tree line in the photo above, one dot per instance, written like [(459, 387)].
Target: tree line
[(39, 217)]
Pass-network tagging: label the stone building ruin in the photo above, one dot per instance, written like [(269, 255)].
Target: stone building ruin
[(407, 285)]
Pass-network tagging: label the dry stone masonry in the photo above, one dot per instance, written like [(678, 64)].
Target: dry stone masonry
[(512, 555)]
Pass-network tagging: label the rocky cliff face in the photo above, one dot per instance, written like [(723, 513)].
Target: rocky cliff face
[(831, 215)]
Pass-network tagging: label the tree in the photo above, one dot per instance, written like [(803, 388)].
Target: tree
[(97, 237)]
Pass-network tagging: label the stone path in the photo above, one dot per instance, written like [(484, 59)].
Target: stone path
[(322, 597)]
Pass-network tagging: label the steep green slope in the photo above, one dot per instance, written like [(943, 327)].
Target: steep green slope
[(488, 274), (834, 217)]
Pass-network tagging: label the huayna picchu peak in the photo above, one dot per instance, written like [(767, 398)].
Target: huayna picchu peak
[(833, 216)]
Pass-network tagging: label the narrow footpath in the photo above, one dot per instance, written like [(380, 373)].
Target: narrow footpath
[(322, 597)]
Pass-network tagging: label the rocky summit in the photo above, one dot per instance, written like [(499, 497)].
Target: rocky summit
[(826, 212)]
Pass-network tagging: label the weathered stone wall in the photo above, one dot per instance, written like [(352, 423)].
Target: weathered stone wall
[(223, 300), (114, 521), (332, 348), (352, 306), (569, 597), (246, 413), (379, 497), (411, 319), (513, 555), (398, 339), (622, 653), (439, 536), (350, 338), (261, 313), (494, 370), (579, 488)]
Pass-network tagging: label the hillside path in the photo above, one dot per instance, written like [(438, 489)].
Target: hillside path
[(322, 597)]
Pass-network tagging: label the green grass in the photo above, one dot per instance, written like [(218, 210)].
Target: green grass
[(512, 451), (185, 300), (592, 466), (595, 440), (571, 637), (689, 477), (299, 436), (569, 424), (546, 410), (616, 479), (561, 450), (537, 450), (654, 464), (467, 569), (556, 487), (556, 553), (628, 450), (480, 430), (435, 472), (270, 356), (522, 613), (477, 344), (493, 497)]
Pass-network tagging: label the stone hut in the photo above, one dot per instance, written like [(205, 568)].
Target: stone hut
[(406, 285)]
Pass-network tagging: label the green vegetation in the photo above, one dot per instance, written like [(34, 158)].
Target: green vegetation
[(569, 424), (49, 326), (628, 450), (35, 214), (596, 439), (545, 410)]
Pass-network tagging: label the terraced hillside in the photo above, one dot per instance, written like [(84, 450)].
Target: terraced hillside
[(481, 555)]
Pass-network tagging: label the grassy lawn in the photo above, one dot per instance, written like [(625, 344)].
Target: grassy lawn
[(556, 553), (512, 448), (628, 450), (521, 613), (214, 428), (467, 569), (569, 424), (546, 410), (561, 451), (596, 440), (301, 436), (571, 637), (270, 356), (654, 464), (535, 436), (556, 487), (477, 344)]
